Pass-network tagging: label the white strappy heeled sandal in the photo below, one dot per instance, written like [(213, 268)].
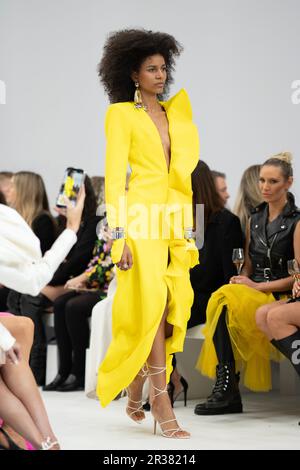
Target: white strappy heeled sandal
[(170, 432)]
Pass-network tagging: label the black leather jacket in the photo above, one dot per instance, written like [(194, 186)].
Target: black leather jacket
[(270, 252)]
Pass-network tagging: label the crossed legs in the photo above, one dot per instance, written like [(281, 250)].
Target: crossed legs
[(21, 405)]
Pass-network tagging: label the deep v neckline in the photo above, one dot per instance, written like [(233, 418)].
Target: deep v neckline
[(160, 139)]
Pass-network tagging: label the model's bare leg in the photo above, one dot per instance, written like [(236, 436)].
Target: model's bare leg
[(159, 398)]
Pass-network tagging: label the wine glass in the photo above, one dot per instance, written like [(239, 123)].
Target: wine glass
[(238, 259), (294, 269)]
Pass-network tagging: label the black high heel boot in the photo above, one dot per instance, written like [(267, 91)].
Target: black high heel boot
[(171, 389)]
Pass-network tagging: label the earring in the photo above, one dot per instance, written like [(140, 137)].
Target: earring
[(137, 96), (138, 102)]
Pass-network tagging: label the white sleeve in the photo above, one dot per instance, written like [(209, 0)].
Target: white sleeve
[(32, 277), (6, 339)]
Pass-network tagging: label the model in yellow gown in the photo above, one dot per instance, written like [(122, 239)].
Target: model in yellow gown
[(160, 272)]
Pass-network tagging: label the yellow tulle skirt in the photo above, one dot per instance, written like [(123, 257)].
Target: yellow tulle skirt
[(252, 349)]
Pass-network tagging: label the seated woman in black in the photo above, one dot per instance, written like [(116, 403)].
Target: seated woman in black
[(231, 334), (72, 311), (222, 233)]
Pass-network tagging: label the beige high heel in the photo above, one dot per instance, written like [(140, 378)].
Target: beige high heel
[(169, 433), (137, 409)]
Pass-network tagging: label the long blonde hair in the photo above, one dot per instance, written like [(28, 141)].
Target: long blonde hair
[(31, 197), (249, 195)]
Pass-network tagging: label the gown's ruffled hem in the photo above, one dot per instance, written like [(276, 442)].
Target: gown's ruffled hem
[(252, 349)]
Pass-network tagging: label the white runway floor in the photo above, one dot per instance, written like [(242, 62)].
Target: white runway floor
[(269, 421)]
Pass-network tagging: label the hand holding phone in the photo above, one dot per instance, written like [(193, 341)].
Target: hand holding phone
[(72, 182), (73, 213)]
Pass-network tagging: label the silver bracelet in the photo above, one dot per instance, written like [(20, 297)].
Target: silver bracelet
[(188, 233), (118, 233)]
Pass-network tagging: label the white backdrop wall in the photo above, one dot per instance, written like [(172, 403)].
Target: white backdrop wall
[(240, 60)]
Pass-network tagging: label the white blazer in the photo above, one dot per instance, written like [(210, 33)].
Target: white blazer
[(22, 266)]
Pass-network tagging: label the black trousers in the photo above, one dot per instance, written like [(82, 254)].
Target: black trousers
[(32, 307), (71, 313)]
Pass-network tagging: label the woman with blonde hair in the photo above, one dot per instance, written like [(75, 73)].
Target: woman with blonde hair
[(249, 195), (232, 337), (28, 196)]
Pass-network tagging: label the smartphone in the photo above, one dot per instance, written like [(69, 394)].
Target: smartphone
[(73, 179)]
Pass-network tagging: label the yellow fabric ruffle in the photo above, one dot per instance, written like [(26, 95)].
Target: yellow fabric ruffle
[(135, 330), (252, 349)]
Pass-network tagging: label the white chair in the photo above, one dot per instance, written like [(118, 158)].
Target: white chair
[(101, 334)]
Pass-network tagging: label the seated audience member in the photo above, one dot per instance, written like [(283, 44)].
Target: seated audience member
[(72, 311), (21, 405), (75, 262), (222, 233), (232, 338), (22, 266), (249, 195), (280, 321), (221, 186), (26, 193)]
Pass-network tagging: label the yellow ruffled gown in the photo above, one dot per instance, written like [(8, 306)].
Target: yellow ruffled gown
[(161, 258)]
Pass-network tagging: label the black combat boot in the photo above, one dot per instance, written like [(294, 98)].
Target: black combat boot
[(225, 397)]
